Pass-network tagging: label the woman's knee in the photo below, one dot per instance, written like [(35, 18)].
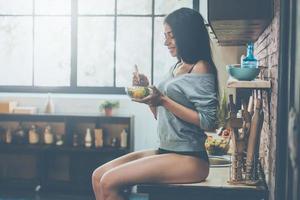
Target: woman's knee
[(109, 183), (97, 174)]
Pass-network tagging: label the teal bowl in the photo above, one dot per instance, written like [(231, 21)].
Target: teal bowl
[(242, 74)]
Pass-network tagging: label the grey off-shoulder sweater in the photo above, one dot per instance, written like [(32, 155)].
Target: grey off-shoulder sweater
[(197, 92)]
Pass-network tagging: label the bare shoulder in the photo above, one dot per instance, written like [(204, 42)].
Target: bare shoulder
[(202, 67)]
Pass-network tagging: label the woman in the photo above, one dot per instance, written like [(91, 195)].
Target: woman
[(185, 105)]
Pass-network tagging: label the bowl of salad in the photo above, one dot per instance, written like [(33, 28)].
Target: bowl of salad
[(137, 92), (217, 145)]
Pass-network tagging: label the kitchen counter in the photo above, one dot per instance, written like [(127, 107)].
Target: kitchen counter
[(215, 187)]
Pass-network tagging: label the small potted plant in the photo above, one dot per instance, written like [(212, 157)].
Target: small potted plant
[(108, 106)]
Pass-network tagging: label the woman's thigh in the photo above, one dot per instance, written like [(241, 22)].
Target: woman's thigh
[(123, 159), (164, 168)]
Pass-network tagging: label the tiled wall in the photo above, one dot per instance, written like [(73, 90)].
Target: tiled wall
[(267, 51)]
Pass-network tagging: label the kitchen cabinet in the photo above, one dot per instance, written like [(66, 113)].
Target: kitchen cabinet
[(236, 22), (65, 168)]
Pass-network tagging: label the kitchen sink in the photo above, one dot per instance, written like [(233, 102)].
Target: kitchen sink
[(219, 161)]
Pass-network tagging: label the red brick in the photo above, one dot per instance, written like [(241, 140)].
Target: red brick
[(262, 54), (266, 51), (274, 72)]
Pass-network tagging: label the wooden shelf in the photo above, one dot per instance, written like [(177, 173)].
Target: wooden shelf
[(59, 168), (234, 23), (255, 84), (63, 148), (62, 117)]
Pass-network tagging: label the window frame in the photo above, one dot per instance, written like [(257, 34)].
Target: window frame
[(73, 88)]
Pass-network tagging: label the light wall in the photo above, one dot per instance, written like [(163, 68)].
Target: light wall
[(224, 55)]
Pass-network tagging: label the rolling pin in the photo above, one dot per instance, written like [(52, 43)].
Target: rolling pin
[(254, 136), (245, 130), (246, 120), (236, 167), (250, 105)]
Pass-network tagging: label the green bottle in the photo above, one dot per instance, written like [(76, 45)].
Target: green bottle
[(250, 61)]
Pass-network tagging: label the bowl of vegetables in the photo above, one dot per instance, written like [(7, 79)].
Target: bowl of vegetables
[(137, 92), (217, 145)]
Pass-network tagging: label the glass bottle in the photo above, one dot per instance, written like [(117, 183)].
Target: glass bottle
[(114, 142), (49, 105), (8, 136), (98, 137), (19, 135), (33, 135), (75, 140), (123, 136), (88, 138), (250, 61), (59, 139), (48, 136)]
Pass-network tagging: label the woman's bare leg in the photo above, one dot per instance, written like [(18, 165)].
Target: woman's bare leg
[(165, 168), (98, 173)]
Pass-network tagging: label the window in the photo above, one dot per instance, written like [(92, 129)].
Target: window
[(82, 46)]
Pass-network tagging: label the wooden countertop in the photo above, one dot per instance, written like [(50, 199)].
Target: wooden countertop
[(214, 187)]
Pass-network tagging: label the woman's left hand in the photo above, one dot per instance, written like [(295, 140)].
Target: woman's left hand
[(154, 99)]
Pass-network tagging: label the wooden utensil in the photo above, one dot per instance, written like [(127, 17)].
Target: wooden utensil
[(232, 107), (136, 71), (246, 120), (253, 142), (250, 105), (238, 144), (245, 130)]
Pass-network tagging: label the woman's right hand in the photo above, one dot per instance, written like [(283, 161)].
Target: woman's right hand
[(153, 99), (140, 80)]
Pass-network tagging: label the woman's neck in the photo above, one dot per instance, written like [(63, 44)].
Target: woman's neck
[(186, 66), (183, 68)]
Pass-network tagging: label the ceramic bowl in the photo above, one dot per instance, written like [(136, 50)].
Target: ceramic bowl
[(243, 74)]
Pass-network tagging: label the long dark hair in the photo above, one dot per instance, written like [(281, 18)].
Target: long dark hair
[(192, 39)]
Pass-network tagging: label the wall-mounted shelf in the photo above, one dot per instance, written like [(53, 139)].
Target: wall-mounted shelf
[(236, 22), (255, 84)]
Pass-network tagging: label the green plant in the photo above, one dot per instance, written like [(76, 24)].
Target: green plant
[(109, 104), (222, 112)]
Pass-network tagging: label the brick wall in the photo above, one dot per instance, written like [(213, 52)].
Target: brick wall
[(267, 52)]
